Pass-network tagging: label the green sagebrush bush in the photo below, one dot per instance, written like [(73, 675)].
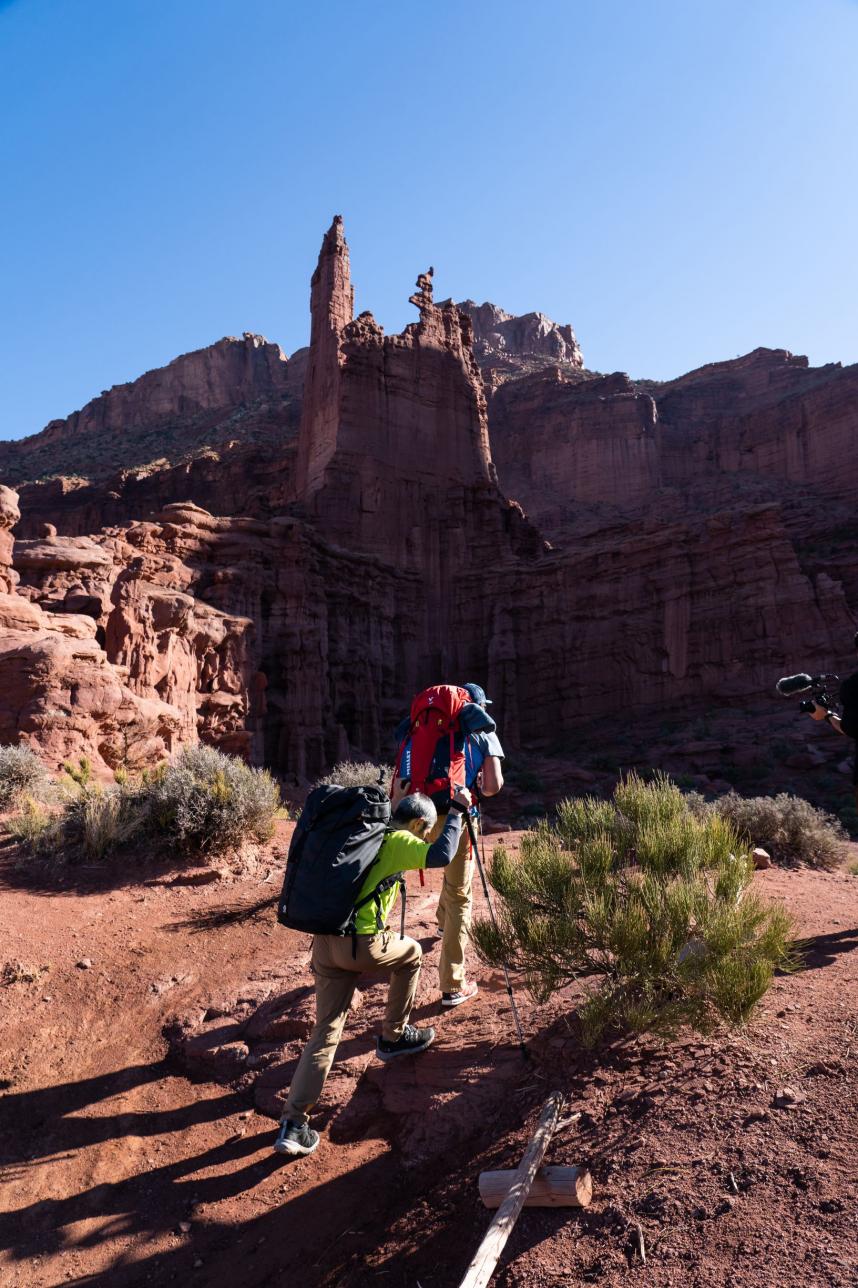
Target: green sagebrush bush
[(789, 827), (357, 773), (648, 901), (205, 800), (21, 774)]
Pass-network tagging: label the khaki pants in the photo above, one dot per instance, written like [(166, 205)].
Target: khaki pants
[(336, 973), (453, 913)]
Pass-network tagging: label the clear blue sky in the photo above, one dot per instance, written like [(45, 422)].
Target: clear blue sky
[(678, 178)]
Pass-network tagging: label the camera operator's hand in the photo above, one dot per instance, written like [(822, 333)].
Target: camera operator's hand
[(461, 800), (818, 712)]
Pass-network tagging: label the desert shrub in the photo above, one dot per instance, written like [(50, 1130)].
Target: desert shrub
[(100, 819), (698, 804), (81, 773), (790, 828), (21, 773), (357, 773), (34, 826), (645, 898), (206, 800)]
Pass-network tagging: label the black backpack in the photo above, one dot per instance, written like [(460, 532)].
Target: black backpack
[(336, 841)]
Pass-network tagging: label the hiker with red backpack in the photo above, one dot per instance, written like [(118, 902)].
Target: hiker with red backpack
[(345, 867), (450, 739)]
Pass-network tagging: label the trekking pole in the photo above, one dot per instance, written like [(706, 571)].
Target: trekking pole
[(469, 823)]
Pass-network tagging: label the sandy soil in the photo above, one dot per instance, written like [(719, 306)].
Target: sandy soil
[(119, 1169)]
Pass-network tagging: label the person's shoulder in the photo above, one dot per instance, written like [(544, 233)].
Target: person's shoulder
[(489, 744), (403, 846)]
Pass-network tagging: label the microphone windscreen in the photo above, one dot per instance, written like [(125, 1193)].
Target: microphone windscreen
[(794, 684)]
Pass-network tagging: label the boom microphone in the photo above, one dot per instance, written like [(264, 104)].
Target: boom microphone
[(794, 684)]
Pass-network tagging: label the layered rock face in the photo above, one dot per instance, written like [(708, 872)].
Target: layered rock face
[(105, 655), (528, 335), (284, 594), (234, 477), (768, 414), (560, 439), (58, 691), (762, 427), (394, 428), (208, 426)]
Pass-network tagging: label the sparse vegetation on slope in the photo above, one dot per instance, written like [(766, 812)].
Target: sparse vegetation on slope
[(789, 827), (206, 800), (203, 802), (357, 773), (21, 774)]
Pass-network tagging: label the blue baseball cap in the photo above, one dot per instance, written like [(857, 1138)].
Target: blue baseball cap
[(478, 694)]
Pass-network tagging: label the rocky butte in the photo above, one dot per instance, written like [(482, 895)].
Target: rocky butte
[(271, 554)]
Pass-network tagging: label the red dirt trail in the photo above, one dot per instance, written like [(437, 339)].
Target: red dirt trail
[(117, 1169)]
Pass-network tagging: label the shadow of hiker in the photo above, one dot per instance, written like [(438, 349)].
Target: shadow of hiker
[(229, 914), (40, 1227), (289, 1243), (331, 1233), (35, 1108), (822, 950), (52, 1126)]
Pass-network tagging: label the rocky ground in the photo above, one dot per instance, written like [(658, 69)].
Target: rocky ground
[(147, 1039)]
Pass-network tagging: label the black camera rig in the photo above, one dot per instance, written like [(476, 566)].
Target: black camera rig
[(821, 687)]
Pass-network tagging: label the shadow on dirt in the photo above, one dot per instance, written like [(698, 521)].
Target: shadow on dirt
[(228, 914), (312, 1236), (52, 877), (51, 1125), (823, 950)]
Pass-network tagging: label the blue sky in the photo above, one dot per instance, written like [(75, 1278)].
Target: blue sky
[(676, 179)]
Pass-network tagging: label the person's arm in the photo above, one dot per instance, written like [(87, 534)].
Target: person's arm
[(400, 789), (491, 776), (405, 852), (443, 851), (831, 717)]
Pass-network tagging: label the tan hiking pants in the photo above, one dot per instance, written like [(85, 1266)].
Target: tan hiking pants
[(336, 973), (453, 913)]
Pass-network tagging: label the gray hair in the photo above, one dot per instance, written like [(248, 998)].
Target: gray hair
[(415, 807)]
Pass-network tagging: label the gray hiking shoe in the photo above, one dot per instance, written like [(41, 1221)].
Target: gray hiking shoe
[(296, 1139), (466, 993), (410, 1043)]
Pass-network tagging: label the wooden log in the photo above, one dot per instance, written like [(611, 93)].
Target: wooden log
[(485, 1259), (552, 1187)]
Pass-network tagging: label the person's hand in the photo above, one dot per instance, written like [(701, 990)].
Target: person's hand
[(818, 712), (462, 798)]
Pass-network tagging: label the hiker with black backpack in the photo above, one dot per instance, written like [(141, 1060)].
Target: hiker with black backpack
[(449, 739), (346, 863)]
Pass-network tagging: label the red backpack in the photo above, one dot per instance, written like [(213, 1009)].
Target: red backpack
[(435, 715)]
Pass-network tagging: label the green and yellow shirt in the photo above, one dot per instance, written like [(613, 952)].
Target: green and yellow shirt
[(401, 852)]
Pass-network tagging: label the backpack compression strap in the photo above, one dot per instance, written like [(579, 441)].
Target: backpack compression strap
[(375, 897)]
